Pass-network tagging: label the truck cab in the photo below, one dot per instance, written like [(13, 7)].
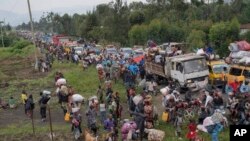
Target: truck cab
[(188, 71), (238, 72), (216, 69)]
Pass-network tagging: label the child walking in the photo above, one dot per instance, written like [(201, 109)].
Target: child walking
[(191, 135), (177, 124)]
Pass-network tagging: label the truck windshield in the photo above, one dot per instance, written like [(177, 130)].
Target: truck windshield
[(235, 71), (195, 65), (220, 68)]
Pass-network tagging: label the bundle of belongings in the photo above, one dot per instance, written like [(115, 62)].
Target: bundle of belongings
[(240, 52), (155, 135)]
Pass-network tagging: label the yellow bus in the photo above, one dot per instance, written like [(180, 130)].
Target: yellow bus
[(238, 72)]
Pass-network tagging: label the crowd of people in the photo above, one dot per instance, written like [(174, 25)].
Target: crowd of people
[(106, 103), (105, 106)]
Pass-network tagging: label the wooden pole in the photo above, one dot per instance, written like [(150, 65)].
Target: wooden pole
[(50, 123), (32, 120), (1, 32), (33, 35)]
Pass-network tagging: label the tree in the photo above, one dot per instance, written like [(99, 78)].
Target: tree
[(223, 33), (222, 12), (218, 36), (67, 24), (220, 2), (196, 39), (7, 27), (246, 36), (244, 16), (154, 29), (138, 35), (234, 29), (197, 2), (136, 17)]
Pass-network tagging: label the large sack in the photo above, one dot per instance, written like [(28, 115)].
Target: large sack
[(99, 66), (137, 99), (46, 93), (164, 91), (61, 81), (155, 135), (233, 47), (77, 98), (89, 137), (93, 97), (200, 52), (126, 127), (243, 45), (142, 83), (74, 110), (243, 60), (240, 54), (64, 90), (235, 61), (95, 100), (206, 122)]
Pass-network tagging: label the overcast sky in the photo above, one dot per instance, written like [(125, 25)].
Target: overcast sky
[(15, 12), (20, 6)]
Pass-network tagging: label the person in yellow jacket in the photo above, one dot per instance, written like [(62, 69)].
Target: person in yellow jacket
[(24, 99)]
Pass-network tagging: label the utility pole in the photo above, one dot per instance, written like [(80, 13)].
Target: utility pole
[(2, 32), (33, 35)]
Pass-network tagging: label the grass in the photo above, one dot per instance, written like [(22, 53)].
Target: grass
[(27, 129), (5, 53)]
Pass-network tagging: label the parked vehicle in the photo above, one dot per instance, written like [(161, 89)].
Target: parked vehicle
[(110, 51), (167, 48), (186, 71), (60, 39), (126, 52), (216, 69), (92, 50), (239, 72)]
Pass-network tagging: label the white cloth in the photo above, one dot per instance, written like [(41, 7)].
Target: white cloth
[(102, 108), (76, 57), (114, 105), (208, 99), (158, 59), (151, 86), (77, 98)]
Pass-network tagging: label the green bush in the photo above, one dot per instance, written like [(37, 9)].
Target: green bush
[(9, 39), (21, 44)]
